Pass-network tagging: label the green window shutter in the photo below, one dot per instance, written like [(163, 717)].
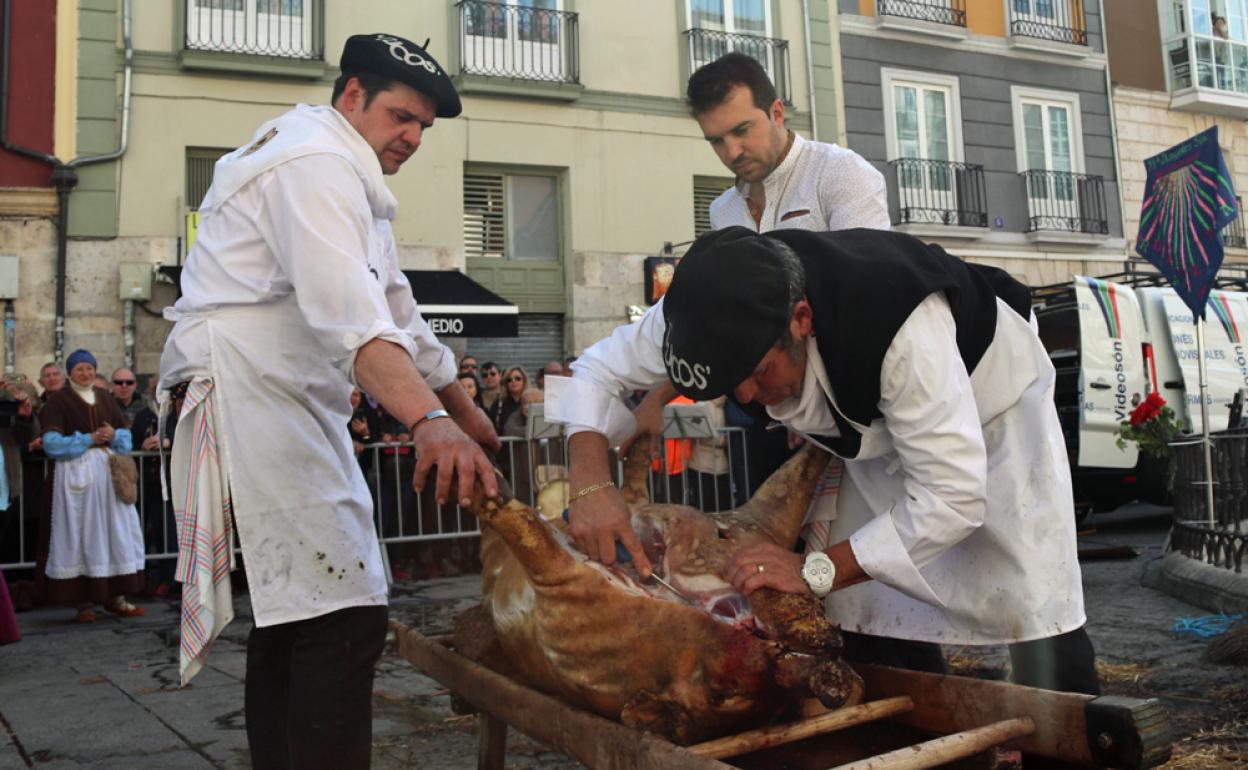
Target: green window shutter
[(485, 226), (199, 165), (705, 191)]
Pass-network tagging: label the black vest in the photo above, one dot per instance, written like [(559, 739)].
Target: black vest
[(862, 285)]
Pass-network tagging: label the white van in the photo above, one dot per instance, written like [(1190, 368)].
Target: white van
[(1177, 362), (1109, 338)]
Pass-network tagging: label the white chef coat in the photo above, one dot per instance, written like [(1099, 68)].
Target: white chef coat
[(293, 270), (958, 504), (816, 187)]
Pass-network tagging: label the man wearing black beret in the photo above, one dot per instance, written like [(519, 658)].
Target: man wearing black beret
[(954, 521), (292, 296)]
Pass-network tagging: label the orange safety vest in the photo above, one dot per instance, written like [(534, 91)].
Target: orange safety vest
[(679, 450)]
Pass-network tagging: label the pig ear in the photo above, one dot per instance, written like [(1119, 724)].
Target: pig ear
[(778, 507), (636, 488)]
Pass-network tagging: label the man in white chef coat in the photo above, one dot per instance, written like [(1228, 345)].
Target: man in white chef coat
[(292, 295), (782, 180), (954, 521)]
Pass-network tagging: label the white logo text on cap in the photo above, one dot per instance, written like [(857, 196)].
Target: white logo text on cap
[(411, 58), (680, 370)]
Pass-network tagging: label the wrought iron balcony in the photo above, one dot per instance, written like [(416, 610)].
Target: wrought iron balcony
[(1065, 201), (951, 12), (283, 28), (707, 45), (1061, 21), (940, 192), (518, 42), (1233, 234)]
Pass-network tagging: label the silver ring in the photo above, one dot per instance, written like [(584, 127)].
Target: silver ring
[(760, 568)]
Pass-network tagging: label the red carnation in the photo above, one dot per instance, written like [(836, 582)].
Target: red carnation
[(1148, 409)]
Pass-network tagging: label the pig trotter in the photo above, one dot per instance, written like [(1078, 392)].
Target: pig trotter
[(660, 715), (835, 684)]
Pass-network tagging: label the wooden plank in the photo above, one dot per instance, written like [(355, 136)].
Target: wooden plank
[(947, 748), (590, 739), (949, 704), (491, 743), (779, 735)]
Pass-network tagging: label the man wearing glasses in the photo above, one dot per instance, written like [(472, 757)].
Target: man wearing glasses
[(491, 385), (128, 398)]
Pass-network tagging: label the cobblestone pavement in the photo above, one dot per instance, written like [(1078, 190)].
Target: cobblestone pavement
[(105, 695)]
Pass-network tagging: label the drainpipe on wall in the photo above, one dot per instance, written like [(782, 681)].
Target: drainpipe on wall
[(64, 176), (10, 339), (810, 72), (127, 332), (1113, 135)]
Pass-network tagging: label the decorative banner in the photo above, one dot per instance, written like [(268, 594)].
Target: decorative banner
[(1188, 199)]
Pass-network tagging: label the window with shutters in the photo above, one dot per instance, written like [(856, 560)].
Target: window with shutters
[(705, 190), (200, 162), (513, 216)]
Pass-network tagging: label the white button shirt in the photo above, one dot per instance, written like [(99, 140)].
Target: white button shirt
[(816, 187), (294, 270), (958, 504)]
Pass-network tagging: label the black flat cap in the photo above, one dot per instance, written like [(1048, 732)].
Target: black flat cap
[(727, 305), (406, 62)]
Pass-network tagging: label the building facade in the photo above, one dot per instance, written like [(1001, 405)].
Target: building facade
[(575, 157), (1161, 99), (992, 122)]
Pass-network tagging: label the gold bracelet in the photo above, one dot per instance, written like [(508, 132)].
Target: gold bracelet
[(592, 488)]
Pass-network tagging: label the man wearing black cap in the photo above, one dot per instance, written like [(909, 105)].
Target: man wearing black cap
[(954, 520), (292, 295)]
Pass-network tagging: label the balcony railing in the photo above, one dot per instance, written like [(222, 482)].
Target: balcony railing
[(707, 45), (518, 42), (1060, 21), (1233, 234), (940, 192), (1062, 200), (1220, 64), (951, 12), (283, 28)]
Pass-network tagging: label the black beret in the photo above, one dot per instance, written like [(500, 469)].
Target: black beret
[(727, 306), (406, 62)]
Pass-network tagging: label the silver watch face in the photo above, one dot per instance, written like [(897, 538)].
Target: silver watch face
[(818, 573)]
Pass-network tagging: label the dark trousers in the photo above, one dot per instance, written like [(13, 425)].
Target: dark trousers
[(1065, 662), (309, 690)]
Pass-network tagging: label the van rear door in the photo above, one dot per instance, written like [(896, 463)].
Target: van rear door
[(1111, 377), (1178, 364)]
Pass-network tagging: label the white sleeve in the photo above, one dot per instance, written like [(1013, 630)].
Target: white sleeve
[(603, 376), (434, 361), (929, 410), (853, 194), (316, 221)]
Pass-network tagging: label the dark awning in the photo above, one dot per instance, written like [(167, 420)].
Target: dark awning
[(452, 303), (457, 306)]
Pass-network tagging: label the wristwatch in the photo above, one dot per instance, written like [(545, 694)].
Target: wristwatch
[(819, 572)]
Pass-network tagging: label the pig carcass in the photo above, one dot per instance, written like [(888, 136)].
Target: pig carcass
[(689, 668)]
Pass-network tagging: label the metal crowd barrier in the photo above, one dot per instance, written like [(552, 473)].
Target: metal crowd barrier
[(1225, 542), (401, 514)]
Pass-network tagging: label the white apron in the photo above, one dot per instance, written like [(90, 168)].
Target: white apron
[(93, 533), (301, 505)]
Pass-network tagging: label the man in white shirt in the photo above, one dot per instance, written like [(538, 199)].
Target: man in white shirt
[(783, 180), (954, 521), (292, 295)]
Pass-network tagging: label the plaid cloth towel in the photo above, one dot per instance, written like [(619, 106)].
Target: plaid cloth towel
[(201, 505), (818, 528)]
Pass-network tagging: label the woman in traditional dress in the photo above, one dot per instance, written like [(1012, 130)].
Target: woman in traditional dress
[(95, 549)]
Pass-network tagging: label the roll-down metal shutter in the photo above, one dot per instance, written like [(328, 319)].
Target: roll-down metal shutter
[(540, 341)]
